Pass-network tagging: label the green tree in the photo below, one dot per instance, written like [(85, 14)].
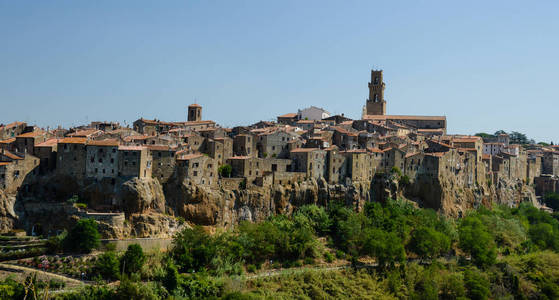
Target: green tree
[(171, 280), (544, 236), (318, 218), (107, 265), (476, 240), (225, 170), (386, 247), (133, 259), (477, 284), (193, 249), (83, 237), (552, 200), (426, 242)]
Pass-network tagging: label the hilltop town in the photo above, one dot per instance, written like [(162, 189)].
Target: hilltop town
[(147, 180)]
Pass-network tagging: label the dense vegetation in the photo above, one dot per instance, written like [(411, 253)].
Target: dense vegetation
[(386, 251)]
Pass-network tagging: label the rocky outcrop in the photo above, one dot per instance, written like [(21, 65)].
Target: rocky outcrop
[(144, 208)]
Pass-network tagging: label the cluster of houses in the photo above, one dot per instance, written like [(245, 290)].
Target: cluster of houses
[(299, 146)]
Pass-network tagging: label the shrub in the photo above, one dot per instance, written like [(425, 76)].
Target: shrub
[(328, 257), (225, 170), (426, 242), (477, 284), (171, 280), (133, 259), (193, 249), (317, 217), (83, 237), (476, 240), (107, 266), (251, 268)]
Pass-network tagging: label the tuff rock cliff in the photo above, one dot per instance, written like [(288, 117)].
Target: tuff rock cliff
[(145, 208)]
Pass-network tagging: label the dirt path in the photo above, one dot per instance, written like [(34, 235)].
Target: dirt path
[(20, 271)]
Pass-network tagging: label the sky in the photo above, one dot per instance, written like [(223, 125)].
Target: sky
[(486, 65)]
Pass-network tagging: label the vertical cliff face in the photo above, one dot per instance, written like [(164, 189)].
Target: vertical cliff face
[(149, 209), (8, 216), (229, 206)]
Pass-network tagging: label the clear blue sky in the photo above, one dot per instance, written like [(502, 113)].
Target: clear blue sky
[(486, 65)]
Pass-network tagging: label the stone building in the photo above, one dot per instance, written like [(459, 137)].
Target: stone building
[(14, 169), (46, 152), (11, 130), (25, 142), (134, 161), (163, 162), (375, 109), (194, 113), (244, 145), (311, 161), (71, 156), (376, 105), (312, 113), (102, 159), (198, 168), (550, 163), (287, 119), (274, 144)]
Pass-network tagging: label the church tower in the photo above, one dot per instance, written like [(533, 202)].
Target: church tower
[(376, 105), (194, 113)]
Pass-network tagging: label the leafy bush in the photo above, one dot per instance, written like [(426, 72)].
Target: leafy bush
[(83, 237), (476, 240), (133, 259), (427, 242), (318, 218), (225, 170), (477, 284), (107, 265)]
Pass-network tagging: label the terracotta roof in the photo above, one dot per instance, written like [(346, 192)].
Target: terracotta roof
[(48, 143), (375, 150), (194, 105), (436, 154), (83, 133), (10, 155), (131, 148), (396, 117), (412, 154), (13, 124), (485, 156), (304, 150), (31, 134), (107, 142), (159, 148), (192, 123), (190, 156), (8, 141), (239, 157), (135, 137), (4, 163), (72, 140), (355, 151), (305, 122), (289, 115)]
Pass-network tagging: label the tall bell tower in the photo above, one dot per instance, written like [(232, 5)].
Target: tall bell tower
[(376, 105)]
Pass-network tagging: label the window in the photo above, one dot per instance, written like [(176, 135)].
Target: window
[(125, 163), (195, 173), (96, 170), (112, 161), (92, 159), (159, 154), (114, 150), (103, 171), (100, 160)]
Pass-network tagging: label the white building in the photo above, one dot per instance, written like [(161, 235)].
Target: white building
[(312, 113)]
